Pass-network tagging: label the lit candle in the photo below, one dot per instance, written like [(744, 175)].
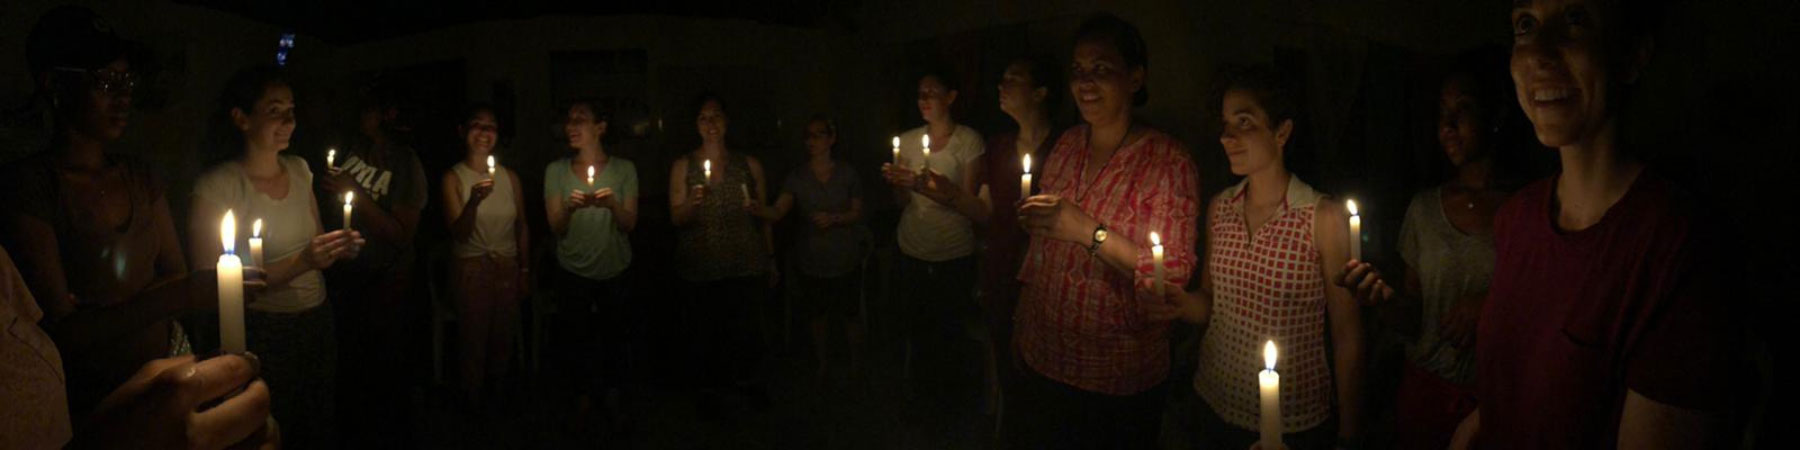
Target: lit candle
[(349, 198), (1156, 261), (490, 167), (1355, 230), (590, 178), (706, 166), (1025, 180), (896, 150), (331, 159), (231, 287), (925, 145), (1271, 400), (256, 241)]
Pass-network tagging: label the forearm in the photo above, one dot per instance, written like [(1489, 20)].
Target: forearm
[(279, 273), (1348, 356), (91, 329), (464, 225), (972, 207)]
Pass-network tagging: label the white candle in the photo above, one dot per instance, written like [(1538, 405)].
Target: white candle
[(1025, 179), (1355, 231), (896, 150), (256, 244), (1156, 261), (1270, 382), (231, 288), (490, 167), (925, 145), (706, 167), (331, 159), (349, 198)]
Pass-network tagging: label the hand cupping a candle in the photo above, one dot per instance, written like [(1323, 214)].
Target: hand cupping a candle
[(603, 198), (331, 247), (480, 191), (1174, 303), (184, 403), (1365, 283), (1053, 217), (899, 175)]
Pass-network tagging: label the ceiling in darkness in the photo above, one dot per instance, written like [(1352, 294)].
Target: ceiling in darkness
[(344, 22)]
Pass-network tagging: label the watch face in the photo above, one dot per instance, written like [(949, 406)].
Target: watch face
[(1100, 235)]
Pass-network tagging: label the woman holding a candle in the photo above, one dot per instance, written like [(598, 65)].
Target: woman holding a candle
[(1096, 368), (724, 252), (290, 323), (484, 209), (1272, 242), (936, 237), (1447, 245), (591, 202), (830, 248)]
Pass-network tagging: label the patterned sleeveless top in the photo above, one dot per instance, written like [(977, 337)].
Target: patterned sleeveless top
[(1269, 286), (723, 241)]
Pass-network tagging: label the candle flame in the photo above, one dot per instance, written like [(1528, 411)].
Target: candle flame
[(1269, 355), (1154, 239), (896, 143), (490, 163), (349, 198), (706, 165), (228, 231), (330, 155), (1350, 205), (256, 228), (1027, 164), (925, 142)]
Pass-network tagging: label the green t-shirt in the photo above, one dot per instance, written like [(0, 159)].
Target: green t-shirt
[(594, 246)]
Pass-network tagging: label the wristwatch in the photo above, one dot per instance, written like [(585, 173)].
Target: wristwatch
[(1099, 238)]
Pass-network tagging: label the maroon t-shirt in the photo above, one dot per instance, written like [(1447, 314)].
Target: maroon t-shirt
[(1575, 319), (1003, 242)]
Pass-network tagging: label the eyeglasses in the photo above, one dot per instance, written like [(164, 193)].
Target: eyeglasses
[(107, 80)]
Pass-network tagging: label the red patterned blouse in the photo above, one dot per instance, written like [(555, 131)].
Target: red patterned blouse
[(1078, 319)]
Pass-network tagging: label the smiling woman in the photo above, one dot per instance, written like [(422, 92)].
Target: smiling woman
[(1609, 323)]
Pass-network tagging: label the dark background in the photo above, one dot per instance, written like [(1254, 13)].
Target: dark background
[(1716, 109)]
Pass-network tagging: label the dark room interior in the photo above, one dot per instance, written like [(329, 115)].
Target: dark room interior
[(1615, 167)]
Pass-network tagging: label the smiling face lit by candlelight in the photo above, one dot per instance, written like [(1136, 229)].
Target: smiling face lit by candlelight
[(228, 231), (1269, 355)]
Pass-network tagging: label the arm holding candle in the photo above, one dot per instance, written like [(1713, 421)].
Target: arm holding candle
[(683, 196), (324, 249), (1344, 315), (455, 206)]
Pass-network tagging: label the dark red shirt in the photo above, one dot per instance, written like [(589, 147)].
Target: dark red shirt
[(1575, 319), (1003, 243)]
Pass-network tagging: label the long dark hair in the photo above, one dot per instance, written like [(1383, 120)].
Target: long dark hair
[(223, 140)]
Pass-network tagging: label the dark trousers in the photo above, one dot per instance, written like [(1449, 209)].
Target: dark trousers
[(727, 341), (1053, 415), (378, 319), (591, 331), (940, 299), (299, 362)]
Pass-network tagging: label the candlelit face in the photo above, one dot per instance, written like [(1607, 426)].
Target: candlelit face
[(103, 101), (819, 138), (1460, 121), (270, 122), (1021, 95), (1251, 143), (481, 132), (1570, 59), (1102, 83), (584, 127), (711, 122), (935, 99)]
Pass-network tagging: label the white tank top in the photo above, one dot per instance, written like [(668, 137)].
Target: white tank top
[(494, 218)]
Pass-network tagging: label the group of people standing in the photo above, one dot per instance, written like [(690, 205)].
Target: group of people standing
[(1584, 310)]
